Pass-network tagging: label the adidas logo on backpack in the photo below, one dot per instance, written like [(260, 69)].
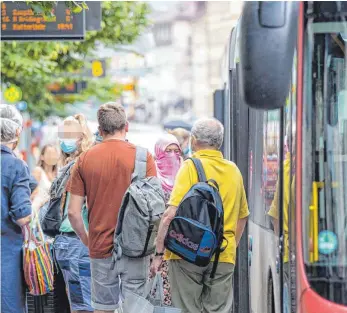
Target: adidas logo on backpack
[(196, 232)]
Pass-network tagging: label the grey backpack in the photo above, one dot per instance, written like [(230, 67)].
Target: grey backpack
[(140, 212)]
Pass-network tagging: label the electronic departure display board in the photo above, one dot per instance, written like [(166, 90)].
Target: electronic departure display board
[(19, 22)]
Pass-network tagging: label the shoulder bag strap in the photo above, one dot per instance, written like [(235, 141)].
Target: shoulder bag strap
[(200, 169), (140, 169), (57, 183)]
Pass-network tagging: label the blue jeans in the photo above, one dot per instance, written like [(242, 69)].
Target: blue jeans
[(12, 278), (73, 259)]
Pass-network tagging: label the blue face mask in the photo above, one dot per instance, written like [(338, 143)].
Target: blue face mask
[(98, 138), (187, 151), (68, 146)]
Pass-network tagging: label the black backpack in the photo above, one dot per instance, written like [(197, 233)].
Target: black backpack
[(52, 217), (196, 232)]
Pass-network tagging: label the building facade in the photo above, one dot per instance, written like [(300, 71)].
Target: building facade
[(210, 35), (190, 38), (171, 79)]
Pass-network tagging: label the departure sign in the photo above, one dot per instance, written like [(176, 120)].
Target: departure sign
[(19, 22)]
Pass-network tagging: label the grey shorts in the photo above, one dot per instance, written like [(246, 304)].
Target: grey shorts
[(109, 285)]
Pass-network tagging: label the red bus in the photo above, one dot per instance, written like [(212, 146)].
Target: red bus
[(285, 116)]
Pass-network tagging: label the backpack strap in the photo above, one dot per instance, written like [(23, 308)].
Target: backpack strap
[(219, 250), (140, 169), (200, 169), (59, 183)]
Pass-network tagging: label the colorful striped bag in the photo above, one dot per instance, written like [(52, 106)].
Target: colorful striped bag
[(38, 260)]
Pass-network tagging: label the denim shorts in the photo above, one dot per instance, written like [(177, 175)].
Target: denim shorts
[(73, 259), (110, 284)]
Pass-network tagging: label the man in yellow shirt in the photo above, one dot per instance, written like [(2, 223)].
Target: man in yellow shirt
[(192, 289)]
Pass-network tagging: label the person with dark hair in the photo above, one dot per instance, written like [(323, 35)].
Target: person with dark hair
[(102, 175), (44, 174)]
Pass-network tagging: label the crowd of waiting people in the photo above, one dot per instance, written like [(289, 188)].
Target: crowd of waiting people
[(100, 171)]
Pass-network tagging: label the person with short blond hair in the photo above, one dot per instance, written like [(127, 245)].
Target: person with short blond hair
[(103, 174), (182, 136)]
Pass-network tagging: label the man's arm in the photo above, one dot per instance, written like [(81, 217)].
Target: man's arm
[(243, 215), (240, 228), (20, 208), (276, 225), (75, 217), (168, 216), (23, 221), (75, 186), (182, 185)]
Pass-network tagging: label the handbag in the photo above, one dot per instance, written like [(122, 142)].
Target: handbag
[(37, 260), (156, 297), (151, 302), (135, 303)]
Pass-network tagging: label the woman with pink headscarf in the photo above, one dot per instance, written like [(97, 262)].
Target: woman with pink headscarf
[(168, 161)]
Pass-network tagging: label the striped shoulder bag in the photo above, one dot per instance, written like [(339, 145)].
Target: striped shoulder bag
[(38, 260)]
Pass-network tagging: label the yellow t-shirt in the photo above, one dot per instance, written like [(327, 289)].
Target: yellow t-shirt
[(231, 189), (273, 211)]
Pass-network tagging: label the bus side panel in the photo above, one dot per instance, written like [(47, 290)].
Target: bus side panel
[(240, 157), (264, 279), (262, 267)]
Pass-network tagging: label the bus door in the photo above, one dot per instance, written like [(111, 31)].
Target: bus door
[(325, 160), (287, 247), (278, 194)]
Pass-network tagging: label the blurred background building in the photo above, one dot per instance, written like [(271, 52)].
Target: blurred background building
[(167, 76), (190, 38), (210, 37)]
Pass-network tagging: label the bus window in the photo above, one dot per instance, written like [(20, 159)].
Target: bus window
[(325, 160), (271, 157), (255, 184)]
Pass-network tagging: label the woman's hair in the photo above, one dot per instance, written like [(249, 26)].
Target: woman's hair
[(84, 144), (43, 151), (181, 134)]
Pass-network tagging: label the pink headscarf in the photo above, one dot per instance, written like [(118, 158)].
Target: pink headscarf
[(167, 164)]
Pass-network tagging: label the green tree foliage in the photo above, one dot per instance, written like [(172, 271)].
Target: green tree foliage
[(46, 7), (34, 65)]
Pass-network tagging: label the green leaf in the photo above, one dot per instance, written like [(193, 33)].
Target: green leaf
[(37, 8), (77, 9), (85, 6)]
